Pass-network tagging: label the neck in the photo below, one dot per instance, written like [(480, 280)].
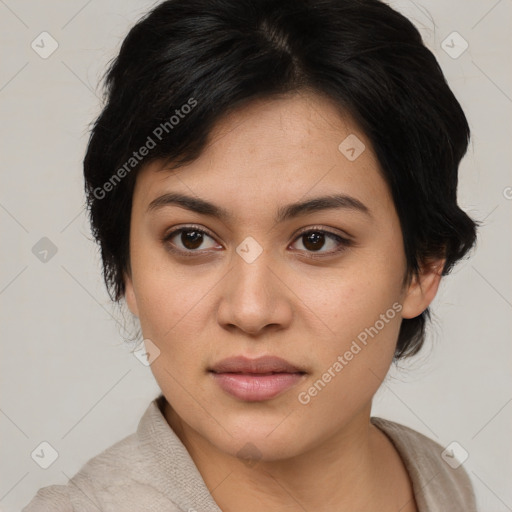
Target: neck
[(356, 469)]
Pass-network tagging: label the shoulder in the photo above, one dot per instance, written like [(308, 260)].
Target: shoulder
[(439, 479), (122, 475)]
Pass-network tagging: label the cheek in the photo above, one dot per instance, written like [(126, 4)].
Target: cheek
[(362, 311), (351, 301), (350, 370), (174, 307), (165, 293), (169, 308)]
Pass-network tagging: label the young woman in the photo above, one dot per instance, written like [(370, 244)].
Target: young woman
[(273, 187)]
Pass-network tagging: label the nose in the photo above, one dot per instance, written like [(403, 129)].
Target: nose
[(255, 297)]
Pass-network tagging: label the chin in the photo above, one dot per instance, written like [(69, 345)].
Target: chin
[(260, 447), (258, 434)]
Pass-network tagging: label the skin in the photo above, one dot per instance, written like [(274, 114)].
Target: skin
[(324, 455)]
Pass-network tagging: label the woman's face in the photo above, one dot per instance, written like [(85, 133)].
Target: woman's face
[(319, 287)]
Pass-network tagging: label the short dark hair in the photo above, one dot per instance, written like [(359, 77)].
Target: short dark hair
[(214, 56)]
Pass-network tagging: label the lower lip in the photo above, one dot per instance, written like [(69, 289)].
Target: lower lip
[(253, 387)]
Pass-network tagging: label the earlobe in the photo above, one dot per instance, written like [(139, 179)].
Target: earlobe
[(422, 289), (129, 295)]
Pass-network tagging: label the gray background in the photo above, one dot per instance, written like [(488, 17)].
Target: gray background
[(67, 376)]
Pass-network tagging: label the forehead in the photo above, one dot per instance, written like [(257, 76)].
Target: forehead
[(272, 151)]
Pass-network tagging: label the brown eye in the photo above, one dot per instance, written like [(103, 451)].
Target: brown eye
[(189, 240), (314, 241)]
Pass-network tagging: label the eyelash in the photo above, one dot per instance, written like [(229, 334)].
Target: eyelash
[(344, 243)]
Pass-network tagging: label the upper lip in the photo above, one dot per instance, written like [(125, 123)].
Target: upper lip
[(263, 364)]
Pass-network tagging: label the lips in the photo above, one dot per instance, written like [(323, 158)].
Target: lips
[(255, 380), (264, 364)]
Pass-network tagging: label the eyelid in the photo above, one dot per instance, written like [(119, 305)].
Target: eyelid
[(186, 227), (307, 229), (341, 234)]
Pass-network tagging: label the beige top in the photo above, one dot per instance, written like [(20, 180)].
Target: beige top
[(151, 470)]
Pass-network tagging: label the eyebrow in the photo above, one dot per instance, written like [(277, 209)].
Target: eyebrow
[(336, 201)]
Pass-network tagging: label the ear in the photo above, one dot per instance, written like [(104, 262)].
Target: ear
[(129, 295), (422, 289)]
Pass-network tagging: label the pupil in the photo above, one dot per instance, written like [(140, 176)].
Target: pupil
[(314, 241), (191, 242)]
